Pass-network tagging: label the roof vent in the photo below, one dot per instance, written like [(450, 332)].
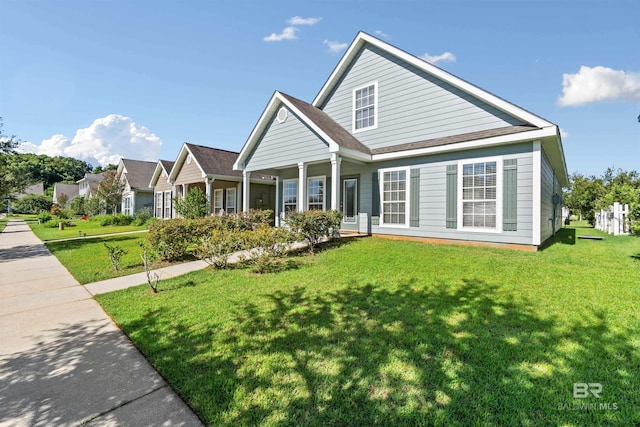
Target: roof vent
[(283, 113), (189, 159)]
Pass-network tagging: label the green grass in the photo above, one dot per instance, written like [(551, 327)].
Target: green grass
[(3, 223), (90, 228), (88, 260), (381, 332)]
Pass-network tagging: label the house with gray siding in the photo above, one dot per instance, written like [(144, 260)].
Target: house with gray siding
[(405, 149), (137, 194)]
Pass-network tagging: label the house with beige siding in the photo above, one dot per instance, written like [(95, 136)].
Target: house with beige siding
[(405, 149), (210, 170)]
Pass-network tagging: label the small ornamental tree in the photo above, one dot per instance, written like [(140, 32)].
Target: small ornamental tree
[(62, 200), (115, 254), (193, 206), (110, 190)]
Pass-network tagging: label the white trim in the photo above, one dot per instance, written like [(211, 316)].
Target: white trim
[(216, 208), (363, 38), (344, 201), (375, 108), (499, 191), (179, 163), (284, 183), (336, 161), (407, 206), (157, 205), (536, 210), (324, 193), (277, 205), (164, 206), (469, 145), (285, 114), (234, 198)]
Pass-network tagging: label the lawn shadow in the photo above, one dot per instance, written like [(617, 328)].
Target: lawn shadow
[(371, 354), (636, 257), (23, 252), (564, 236)]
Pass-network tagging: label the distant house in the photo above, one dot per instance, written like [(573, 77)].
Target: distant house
[(37, 189), (70, 190), (211, 170), (406, 149), (163, 190), (137, 194), (88, 185)]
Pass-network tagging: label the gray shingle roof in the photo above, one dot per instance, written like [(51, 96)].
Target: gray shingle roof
[(139, 173), (214, 161), (321, 119), (167, 165), (454, 139)]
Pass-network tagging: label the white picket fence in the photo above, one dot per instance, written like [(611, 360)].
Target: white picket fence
[(614, 220)]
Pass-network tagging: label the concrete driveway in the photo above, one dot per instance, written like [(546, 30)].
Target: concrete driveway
[(62, 360)]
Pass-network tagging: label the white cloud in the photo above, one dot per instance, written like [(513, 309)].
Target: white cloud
[(564, 134), (298, 20), (598, 84), (105, 141), (381, 34), (289, 33), (434, 59), (335, 46)]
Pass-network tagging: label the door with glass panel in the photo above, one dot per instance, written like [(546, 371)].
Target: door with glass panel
[(350, 203)]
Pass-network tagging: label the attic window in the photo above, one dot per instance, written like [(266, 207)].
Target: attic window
[(365, 111), (283, 113)]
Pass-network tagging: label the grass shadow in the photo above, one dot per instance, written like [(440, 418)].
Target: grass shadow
[(636, 257), (564, 236)]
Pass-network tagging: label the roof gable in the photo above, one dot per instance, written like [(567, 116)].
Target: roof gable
[(210, 161), (138, 173), (162, 167), (362, 40)]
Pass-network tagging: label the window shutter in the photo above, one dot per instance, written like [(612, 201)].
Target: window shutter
[(510, 195), (452, 196), (375, 199), (414, 197)]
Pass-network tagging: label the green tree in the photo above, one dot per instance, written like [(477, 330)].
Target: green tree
[(582, 194), (194, 204), (110, 190), (32, 204), (10, 181), (109, 167)]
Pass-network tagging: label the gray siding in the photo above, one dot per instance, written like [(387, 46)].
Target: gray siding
[(287, 143), (412, 105), (548, 186), (144, 200)]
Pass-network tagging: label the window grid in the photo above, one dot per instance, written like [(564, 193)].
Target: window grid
[(158, 205), (316, 194), (290, 196), (394, 197), (127, 206), (479, 192), (231, 200), (217, 201), (167, 204), (364, 108)]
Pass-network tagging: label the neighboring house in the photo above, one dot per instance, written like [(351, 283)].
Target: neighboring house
[(70, 190), (163, 190), (88, 185), (37, 189), (211, 170), (137, 194), (403, 148)]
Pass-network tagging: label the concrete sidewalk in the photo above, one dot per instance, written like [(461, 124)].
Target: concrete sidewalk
[(62, 360)]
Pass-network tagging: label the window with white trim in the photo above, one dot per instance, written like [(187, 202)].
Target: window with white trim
[(127, 206), (365, 113), (289, 195), (159, 204), (480, 195), (315, 193), (395, 190), (231, 200), (167, 204), (217, 201)]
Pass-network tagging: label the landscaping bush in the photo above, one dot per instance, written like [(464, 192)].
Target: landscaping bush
[(314, 226), (171, 238), (267, 244), (217, 247), (52, 223), (118, 219), (142, 216), (32, 204), (193, 206), (78, 206), (44, 216)]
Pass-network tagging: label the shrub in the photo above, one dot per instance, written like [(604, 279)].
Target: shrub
[(55, 210), (193, 206), (32, 203), (78, 206), (148, 257), (217, 247), (118, 219), (142, 216), (64, 214), (171, 238), (266, 245), (44, 216), (52, 223), (314, 226), (115, 254), (94, 206)]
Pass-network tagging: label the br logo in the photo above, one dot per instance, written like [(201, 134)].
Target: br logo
[(582, 390)]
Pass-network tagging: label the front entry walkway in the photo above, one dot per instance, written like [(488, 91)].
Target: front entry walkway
[(62, 360)]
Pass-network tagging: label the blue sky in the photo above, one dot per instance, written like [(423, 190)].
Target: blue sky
[(103, 79)]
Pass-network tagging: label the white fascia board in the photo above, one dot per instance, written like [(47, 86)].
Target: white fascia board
[(469, 145), (177, 166), (461, 84), (352, 154), (536, 203), (257, 130), (156, 175)]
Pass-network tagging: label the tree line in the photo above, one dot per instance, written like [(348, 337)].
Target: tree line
[(588, 194)]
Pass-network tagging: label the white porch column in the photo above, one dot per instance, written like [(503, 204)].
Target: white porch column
[(208, 183), (246, 185), (335, 180), (277, 207), (184, 191), (302, 186)]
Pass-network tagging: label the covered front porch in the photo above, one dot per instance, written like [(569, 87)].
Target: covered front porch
[(334, 184)]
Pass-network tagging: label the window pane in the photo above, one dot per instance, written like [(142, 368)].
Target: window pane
[(491, 167), (478, 181), (478, 169), (478, 194), (467, 170), (479, 191)]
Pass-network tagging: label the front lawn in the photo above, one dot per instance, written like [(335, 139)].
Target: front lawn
[(381, 332), (89, 228), (88, 260)]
